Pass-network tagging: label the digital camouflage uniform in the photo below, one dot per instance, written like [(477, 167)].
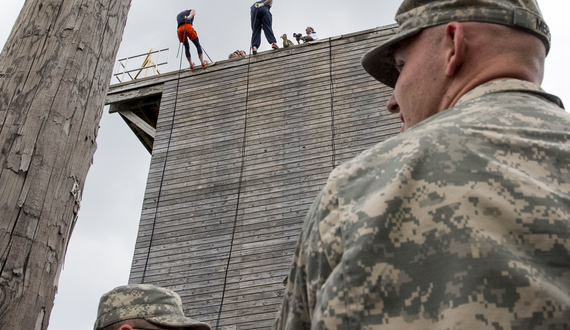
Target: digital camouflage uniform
[(461, 222), (151, 303)]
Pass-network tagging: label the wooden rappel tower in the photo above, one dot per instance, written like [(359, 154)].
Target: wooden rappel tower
[(239, 152)]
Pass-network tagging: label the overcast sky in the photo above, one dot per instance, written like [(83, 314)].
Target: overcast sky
[(100, 250)]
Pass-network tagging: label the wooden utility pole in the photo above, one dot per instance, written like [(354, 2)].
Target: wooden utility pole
[(54, 73)]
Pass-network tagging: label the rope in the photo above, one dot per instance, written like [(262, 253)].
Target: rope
[(204, 50), (239, 187), (164, 167), (333, 145)]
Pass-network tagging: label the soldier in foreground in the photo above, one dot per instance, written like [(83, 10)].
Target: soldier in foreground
[(143, 307), (463, 220)]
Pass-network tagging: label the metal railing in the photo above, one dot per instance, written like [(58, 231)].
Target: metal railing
[(122, 71)]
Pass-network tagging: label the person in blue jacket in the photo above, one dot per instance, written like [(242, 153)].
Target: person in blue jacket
[(261, 19)]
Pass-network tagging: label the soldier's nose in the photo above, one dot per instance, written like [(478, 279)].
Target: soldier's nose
[(392, 105)]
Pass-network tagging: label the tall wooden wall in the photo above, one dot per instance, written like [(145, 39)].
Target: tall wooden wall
[(222, 214)]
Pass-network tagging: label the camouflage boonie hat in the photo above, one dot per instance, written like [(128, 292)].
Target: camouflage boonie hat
[(416, 15), (154, 304)]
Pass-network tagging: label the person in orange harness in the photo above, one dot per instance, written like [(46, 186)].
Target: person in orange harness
[(186, 31)]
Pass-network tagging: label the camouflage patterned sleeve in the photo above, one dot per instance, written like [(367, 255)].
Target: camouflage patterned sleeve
[(461, 222), (313, 261)]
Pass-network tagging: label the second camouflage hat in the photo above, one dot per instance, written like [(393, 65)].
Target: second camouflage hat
[(154, 304), (416, 15)]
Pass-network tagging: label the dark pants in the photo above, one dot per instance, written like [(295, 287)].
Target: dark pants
[(196, 43), (261, 19)]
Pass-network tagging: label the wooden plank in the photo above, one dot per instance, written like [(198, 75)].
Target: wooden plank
[(300, 120), (134, 94), (139, 122)]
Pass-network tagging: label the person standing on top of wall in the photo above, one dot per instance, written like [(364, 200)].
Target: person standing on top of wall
[(261, 19), (311, 35), (186, 31)]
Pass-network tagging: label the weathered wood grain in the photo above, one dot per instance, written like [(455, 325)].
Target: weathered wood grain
[(139, 122), (306, 109), (134, 94), (54, 74)]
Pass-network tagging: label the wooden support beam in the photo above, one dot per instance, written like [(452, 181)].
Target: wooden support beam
[(134, 94), (139, 122)]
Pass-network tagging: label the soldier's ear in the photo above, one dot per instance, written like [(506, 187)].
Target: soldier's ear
[(454, 43)]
